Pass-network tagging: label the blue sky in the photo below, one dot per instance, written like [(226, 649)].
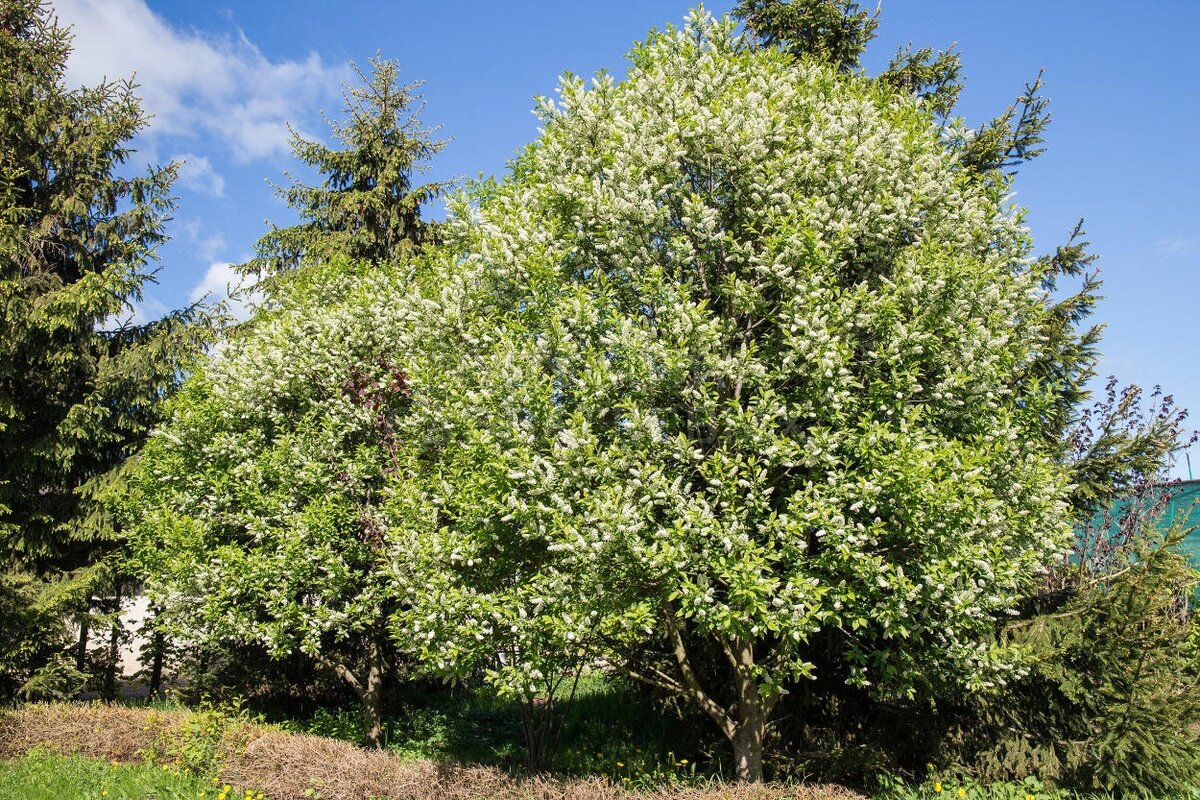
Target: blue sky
[(224, 79)]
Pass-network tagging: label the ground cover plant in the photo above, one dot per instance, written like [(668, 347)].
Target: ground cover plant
[(39, 776)]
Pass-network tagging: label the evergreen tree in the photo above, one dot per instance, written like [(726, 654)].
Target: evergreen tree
[(80, 381), (367, 207), (834, 31)]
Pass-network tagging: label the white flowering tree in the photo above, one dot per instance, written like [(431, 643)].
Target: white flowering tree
[(260, 509), (737, 359)]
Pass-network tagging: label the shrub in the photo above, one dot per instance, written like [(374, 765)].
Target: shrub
[(1111, 700)]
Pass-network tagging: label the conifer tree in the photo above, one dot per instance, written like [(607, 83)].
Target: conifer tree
[(834, 31), (80, 380), (367, 208)]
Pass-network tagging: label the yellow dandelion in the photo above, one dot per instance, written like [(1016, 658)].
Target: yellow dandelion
[(1029, 797), (620, 763), (962, 792), (937, 787), (683, 761)]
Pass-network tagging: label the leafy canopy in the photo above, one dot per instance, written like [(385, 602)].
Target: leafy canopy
[(746, 362)]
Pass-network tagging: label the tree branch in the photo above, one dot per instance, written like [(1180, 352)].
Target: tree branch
[(691, 682), (344, 673)]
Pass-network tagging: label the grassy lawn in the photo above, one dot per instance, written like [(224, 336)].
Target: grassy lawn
[(39, 776)]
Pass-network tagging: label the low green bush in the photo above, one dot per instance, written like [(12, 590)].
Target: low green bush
[(204, 741), (893, 788)]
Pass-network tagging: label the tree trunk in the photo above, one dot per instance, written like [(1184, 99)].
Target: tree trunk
[(744, 729), (85, 626), (158, 646), (754, 711), (372, 696), (369, 691), (538, 724), (748, 745)]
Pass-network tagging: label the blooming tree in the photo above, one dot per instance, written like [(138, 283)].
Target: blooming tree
[(738, 358), (260, 507)]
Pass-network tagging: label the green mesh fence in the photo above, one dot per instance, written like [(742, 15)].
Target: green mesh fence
[(1182, 508)]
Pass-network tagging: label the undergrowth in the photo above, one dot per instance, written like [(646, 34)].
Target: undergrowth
[(610, 730)]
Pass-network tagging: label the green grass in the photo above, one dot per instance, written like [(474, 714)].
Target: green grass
[(893, 788), (39, 776)]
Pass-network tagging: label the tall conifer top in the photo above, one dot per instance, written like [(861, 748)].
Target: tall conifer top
[(367, 206)]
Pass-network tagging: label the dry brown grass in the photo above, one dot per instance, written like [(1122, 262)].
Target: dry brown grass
[(295, 767), (113, 733)]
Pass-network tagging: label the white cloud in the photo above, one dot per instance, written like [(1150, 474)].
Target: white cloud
[(194, 84), (207, 246), (196, 172), (1175, 246), (222, 283)]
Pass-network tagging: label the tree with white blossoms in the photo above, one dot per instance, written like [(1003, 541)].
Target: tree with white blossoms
[(739, 359), (259, 508)]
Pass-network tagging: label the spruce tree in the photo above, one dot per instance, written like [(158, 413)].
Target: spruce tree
[(367, 207), (80, 380)]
